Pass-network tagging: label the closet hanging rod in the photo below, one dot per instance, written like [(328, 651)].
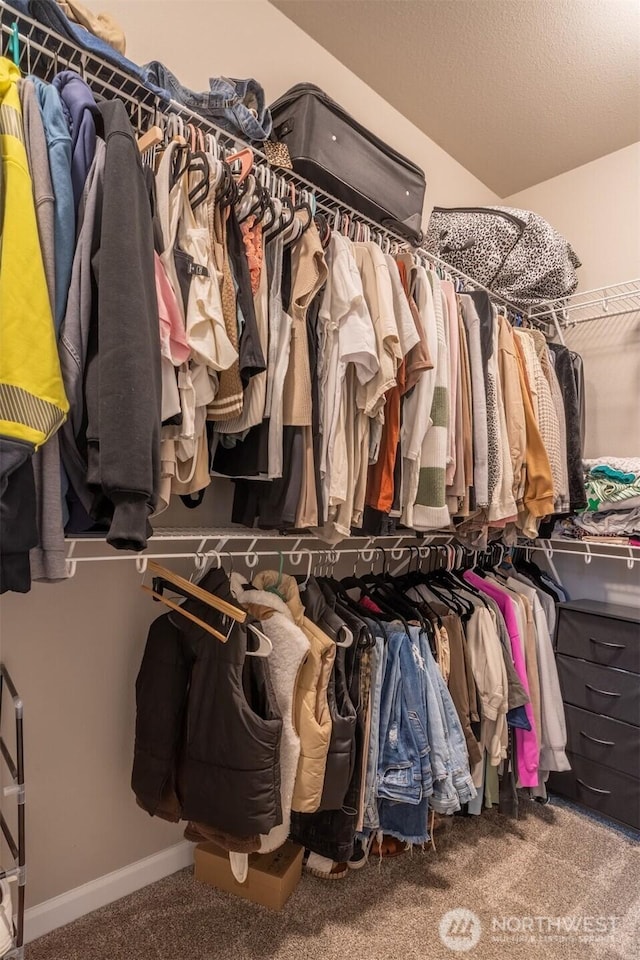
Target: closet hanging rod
[(105, 77), (556, 548), (370, 551), (295, 554)]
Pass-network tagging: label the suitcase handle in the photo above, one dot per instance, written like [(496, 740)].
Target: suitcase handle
[(603, 743), (603, 693), (604, 643), (604, 793)]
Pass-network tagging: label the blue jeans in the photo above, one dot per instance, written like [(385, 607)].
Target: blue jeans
[(404, 807), (458, 756), (237, 106), (450, 760)]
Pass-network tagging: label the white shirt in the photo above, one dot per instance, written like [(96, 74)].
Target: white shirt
[(346, 336)]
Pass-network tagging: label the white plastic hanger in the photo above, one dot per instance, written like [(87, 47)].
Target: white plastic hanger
[(348, 637), (265, 647)]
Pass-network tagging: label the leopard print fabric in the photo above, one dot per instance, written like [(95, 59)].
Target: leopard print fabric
[(513, 252)]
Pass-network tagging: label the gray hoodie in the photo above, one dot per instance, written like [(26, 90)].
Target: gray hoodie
[(48, 558), (74, 332)]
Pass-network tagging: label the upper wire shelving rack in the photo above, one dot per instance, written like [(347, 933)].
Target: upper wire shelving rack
[(44, 52), (614, 300)]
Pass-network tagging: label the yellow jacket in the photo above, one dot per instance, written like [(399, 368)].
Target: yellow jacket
[(32, 398)]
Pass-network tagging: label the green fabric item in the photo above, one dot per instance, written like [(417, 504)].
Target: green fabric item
[(611, 491), (432, 486), (440, 407)]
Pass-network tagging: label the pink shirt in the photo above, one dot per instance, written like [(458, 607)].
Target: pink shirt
[(173, 337), (527, 744)]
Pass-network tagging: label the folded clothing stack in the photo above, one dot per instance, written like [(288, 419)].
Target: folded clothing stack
[(612, 485)]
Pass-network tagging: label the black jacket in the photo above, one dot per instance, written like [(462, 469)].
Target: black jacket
[(565, 374), (18, 529), (123, 377), (208, 728)]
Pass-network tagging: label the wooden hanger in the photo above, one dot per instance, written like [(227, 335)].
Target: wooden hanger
[(153, 137), (192, 590)]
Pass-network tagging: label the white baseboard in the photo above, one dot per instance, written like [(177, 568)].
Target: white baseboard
[(75, 903)]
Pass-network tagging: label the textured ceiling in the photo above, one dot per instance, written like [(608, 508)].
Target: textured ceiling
[(518, 91)]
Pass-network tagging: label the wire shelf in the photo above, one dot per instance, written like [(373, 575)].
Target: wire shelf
[(44, 52), (615, 300)]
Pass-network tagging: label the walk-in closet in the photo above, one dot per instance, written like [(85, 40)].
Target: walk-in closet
[(319, 479)]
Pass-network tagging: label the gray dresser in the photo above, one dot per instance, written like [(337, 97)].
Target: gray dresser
[(598, 656)]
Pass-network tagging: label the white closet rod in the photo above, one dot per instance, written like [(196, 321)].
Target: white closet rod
[(551, 549), (368, 553), (374, 549)]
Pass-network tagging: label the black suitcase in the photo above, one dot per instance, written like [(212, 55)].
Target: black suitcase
[(338, 155)]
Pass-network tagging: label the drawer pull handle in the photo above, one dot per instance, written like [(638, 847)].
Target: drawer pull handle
[(603, 693), (605, 793), (604, 643), (603, 743)]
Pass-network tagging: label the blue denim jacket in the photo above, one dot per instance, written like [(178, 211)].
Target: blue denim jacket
[(237, 106), (453, 785)]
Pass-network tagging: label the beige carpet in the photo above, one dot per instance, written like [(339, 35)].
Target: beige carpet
[(553, 862)]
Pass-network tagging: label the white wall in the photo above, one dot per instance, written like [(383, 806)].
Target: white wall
[(597, 207), (74, 648)]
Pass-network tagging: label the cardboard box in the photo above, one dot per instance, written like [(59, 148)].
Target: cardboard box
[(272, 876)]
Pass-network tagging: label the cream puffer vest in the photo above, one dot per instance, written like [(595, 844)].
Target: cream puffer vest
[(290, 647), (311, 709)]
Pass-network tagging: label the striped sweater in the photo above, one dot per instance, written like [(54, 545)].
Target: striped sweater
[(430, 511)]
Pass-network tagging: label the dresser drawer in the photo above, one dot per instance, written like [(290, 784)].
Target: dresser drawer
[(609, 642), (613, 693), (610, 792), (602, 740)]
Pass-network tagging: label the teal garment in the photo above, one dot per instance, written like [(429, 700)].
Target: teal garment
[(617, 475)]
